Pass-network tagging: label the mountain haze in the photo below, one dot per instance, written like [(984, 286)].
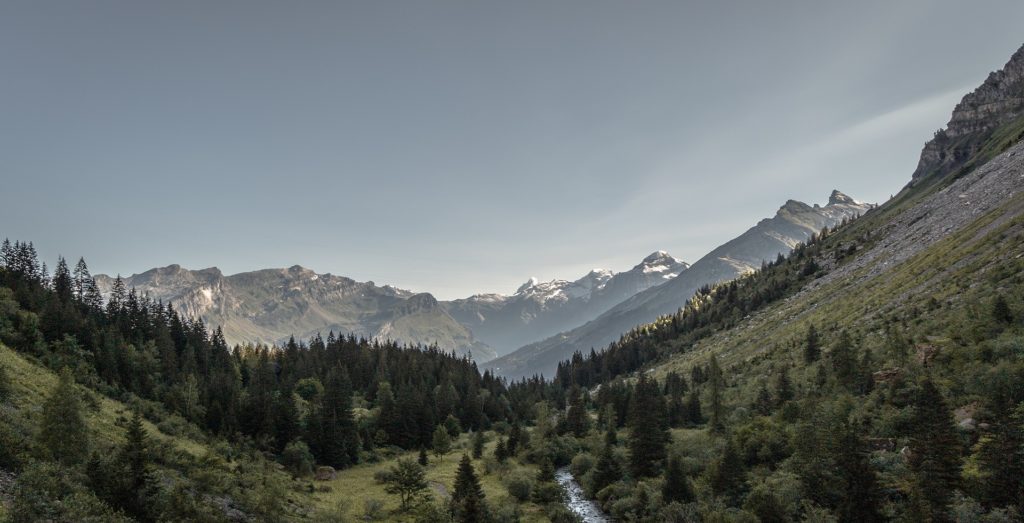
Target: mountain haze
[(271, 305), (540, 309), (794, 222)]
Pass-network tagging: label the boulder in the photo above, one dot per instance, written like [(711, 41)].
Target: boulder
[(325, 473)]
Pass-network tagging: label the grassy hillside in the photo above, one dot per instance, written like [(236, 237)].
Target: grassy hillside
[(209, 479)]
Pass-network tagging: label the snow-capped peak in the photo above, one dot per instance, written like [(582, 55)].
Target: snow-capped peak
[(532, 282)]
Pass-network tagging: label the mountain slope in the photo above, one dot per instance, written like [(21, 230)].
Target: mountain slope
[(540, 309), (793, 223), (270, 305)]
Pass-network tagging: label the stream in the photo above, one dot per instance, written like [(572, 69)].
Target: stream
[(577, 500)]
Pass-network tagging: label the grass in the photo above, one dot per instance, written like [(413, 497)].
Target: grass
[(967, 267), (31, 384), (353, 486)]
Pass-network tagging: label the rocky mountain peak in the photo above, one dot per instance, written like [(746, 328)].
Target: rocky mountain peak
[(794, 207), (656, 256), (997, 102), (837, 198), (532, 282)]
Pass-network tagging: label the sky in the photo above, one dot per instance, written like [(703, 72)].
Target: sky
[(461, 147)]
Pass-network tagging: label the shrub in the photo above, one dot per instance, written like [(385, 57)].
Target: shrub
[(519, 485), (373, 509), (297, 459)]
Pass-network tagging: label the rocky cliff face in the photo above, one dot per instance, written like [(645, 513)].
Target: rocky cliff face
[(996, 103), (268, 306), (793, 223), (540, 309)]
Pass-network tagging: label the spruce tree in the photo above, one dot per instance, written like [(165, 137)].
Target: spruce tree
[(675, 387), (1001, 311), (934, 450), (783, 388), (607, 469), (677, 485), (727, 476), (139, 483), (861, 498), (62, 431), (843, 361), (514, 437), (423, 460), (812, 345), (694, 416), (478, 444), (1001, 458), (716, 382), (501, 451), (468, 495), (648, 433), (577, 420)]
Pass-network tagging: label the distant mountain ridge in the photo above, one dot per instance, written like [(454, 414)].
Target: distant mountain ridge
[(270, 305), (793, 223), (540, 309)]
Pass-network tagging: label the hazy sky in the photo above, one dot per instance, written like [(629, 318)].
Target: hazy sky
[(461, 147)]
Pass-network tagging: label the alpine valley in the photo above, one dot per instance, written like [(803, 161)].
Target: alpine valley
[(846, 362)]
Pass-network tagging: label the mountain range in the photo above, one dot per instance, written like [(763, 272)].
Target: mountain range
[(794, 222), (539, 324)]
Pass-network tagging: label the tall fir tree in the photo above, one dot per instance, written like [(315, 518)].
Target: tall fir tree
[(62, 430), (812, 345), (677, 485), (716, 382), (467, 494), (648, 433), (934, 450), (576, 419)]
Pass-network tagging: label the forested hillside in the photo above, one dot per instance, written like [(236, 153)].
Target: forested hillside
[(875, 374), (155, 418)]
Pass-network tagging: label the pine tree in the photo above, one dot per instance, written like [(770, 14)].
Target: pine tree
[(861, 499), (717, 382), (286, 420), (514, 437), (934, 450), (139, 483), (63, 286), (478, 444), (727, 477), (423, 460), (1001, 458), (331, 428), (576, 419), (467, 494), (783, 388), (1001, 311), (501, 451), (607, 469), (675, 387), (677, 485), (648, 433), (62, 431), (843, 362), (812, 345)]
